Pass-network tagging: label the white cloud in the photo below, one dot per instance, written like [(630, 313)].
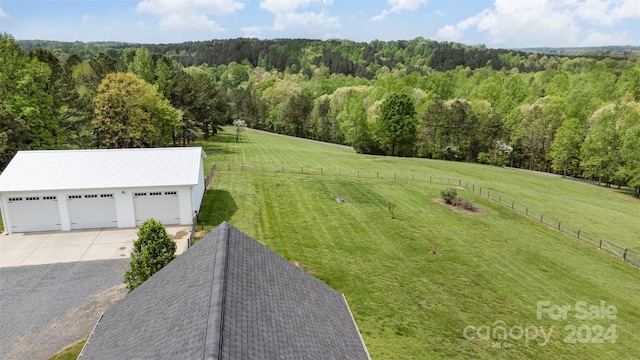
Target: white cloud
[(527, 23), (449, 33), (284, 6), (524, 23), (4, 16), (305, 19), (189, 22), (606, 12), (189, 14), (398, 6), (600, 39), (172, 7), (287, 14)]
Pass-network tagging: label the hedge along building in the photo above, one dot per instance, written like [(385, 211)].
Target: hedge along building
[(85, 189)]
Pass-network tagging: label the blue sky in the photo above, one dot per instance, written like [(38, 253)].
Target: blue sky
[(495, 23)]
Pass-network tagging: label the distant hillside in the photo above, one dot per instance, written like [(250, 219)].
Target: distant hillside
[(338, 56), (599, 52)]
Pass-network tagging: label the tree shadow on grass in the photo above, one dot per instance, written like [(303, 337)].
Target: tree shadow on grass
[(217, 206)]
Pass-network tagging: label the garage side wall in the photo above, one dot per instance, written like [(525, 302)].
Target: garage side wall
[(197, 191)]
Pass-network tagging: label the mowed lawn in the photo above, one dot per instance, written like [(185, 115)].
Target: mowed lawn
[(597, 211), (491, 270)]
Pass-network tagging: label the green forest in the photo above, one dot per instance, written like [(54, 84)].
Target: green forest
[(572, 115)]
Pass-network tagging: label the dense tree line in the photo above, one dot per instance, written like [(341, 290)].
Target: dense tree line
[(139, 99), (362, 59), (573, 116)]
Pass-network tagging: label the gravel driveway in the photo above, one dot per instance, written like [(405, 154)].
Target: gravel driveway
[(44, 308)]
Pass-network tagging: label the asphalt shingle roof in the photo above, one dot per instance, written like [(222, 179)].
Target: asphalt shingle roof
[(228, 297)]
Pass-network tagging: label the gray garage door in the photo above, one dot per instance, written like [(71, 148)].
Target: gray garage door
[(33, 213), (92, 211), (160, 205)]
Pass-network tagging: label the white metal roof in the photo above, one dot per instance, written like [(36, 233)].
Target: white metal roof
[(43, 170)]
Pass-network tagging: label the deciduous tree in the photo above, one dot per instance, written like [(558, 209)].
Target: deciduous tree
[(130, 113), (565, 150), (396, 127)]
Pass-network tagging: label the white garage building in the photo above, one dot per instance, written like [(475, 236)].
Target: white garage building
[(85, 189)]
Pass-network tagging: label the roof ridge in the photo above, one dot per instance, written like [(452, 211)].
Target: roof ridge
[(213, 330)]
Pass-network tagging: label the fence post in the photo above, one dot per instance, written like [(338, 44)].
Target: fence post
[(513, 202), (459, 182), (624, 256), (541, 217), (473, 188), (559, 222), (282, 169), (526, 211), (578, 233), (394, 176), (480, 190), (488, 192), (600, 246)]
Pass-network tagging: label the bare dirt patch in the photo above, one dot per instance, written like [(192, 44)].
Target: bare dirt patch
[(74, 326), (179, 235), (475, 211)]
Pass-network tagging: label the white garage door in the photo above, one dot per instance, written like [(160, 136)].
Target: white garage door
[(33, 213), (92, 211), (161, 205)]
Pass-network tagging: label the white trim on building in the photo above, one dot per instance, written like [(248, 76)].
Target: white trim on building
[(82, 189)]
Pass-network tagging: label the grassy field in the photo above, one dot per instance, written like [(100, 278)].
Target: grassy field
[(71, 352), (596, 211), (491, 270)]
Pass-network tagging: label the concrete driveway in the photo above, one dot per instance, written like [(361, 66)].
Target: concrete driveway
[(78, 245)]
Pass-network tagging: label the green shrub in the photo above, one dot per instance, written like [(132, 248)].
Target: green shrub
[(449, 195), (151, 252)]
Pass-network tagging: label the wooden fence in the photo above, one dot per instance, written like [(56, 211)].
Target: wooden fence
[(629, 256)]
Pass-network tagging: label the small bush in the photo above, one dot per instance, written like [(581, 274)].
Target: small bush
[(449, 195), (465, 204), (392, 209)]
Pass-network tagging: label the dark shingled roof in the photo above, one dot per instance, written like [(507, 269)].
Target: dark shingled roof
[(228, 297)]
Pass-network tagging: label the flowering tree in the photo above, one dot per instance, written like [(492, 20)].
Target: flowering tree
[(240, 126)]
